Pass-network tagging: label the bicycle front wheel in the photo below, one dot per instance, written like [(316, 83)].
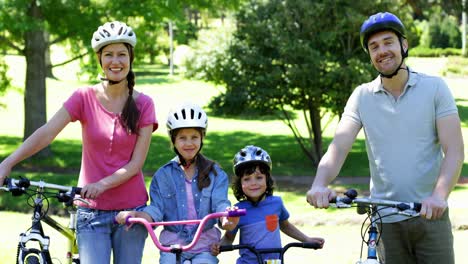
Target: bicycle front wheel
[(30, 256)]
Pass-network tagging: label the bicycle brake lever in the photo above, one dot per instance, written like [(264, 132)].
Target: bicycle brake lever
[(411, 213)]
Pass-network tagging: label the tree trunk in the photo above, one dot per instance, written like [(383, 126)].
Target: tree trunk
[(35, 91), (317, 132), (48, 61)]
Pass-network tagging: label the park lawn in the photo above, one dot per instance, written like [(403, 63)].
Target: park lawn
[(340, 228)]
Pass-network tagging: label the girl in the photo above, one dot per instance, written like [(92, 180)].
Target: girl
[(190, 186), (266, 214)]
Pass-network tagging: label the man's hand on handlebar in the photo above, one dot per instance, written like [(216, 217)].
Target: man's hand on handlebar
[(320, 197)]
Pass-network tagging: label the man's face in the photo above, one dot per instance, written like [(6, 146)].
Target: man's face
[(385, 51)]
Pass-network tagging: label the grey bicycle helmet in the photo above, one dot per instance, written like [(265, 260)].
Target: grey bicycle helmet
[(251, 154), (380, 22), (113, 32), (187, 115)]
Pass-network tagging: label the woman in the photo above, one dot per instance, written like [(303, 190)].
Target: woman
[(117, 123)]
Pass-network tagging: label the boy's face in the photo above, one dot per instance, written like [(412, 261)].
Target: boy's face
[(254, 184)]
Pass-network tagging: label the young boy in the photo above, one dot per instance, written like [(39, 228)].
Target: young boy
[(266, 214)]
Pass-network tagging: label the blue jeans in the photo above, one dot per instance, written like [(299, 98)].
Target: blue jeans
[(98, 236), (198, 258)]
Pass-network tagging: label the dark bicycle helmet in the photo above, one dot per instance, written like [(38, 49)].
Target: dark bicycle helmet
[(250, 154), (380, 22)]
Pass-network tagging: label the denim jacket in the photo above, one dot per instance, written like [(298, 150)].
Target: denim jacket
[(169, 198)]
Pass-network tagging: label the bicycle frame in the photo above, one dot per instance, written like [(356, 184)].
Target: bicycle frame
[(258, 252), (177, 248), (370, 207), (36, 232)]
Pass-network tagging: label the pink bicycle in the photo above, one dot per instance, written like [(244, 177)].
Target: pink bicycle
[(177, 249)]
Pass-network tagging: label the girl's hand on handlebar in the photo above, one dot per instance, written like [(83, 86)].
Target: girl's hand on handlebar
[(320, 197), (123, 216), (433, 207), (229, 223)]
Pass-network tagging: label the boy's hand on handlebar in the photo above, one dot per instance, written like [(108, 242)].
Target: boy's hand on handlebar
[(215, 249), (320, 197), (317, 240), (433, 207)]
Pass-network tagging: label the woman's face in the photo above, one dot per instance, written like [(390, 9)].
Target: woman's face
[(115, 61), (254, 185), (188, 142)]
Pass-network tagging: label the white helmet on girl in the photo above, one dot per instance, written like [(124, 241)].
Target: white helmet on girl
[(113, 32), (187, 115)]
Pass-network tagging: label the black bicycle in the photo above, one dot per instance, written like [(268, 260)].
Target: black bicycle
[(37, 194), (372, 208)]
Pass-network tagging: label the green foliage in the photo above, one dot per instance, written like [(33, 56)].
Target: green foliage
[(456, 66), (4, 79), (434, 52), (293, 55), (440, 32)]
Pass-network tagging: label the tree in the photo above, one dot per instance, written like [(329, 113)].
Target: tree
[(29, 27), (297, 55)]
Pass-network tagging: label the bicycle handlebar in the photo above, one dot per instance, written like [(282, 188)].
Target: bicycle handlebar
[(19, 186), (260, 251), (351, 198), (181, 248)]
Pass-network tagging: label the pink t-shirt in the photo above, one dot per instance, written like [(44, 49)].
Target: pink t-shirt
[(107, 147)]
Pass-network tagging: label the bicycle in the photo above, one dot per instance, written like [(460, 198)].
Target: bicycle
[(281, 251), (372, 208), (38, 200), (178, 249)]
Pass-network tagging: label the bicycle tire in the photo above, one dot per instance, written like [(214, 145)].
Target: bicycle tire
[(30, 256)]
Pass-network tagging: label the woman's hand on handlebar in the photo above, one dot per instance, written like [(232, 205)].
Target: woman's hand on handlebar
[(4, 172), (229, 223), (92, 190), (320, 197)]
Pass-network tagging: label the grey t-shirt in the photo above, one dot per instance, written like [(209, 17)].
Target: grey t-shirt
[(401, 135)]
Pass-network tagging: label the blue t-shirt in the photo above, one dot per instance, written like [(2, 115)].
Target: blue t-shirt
[(260, 228)]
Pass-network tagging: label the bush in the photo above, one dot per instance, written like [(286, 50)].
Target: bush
[(434, 52)]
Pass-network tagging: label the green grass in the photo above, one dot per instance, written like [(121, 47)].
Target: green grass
[(225, 137), (340, 228)]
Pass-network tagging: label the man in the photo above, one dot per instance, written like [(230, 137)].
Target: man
[(414, 145)]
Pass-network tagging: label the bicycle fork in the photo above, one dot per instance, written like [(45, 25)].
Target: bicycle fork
[(371, 245)]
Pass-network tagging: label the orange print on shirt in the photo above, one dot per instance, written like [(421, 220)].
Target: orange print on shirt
[(271, 222)]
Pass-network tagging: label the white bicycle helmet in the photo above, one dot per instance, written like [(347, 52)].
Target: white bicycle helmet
[(250, 154), (113, 32), (187, 115)]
